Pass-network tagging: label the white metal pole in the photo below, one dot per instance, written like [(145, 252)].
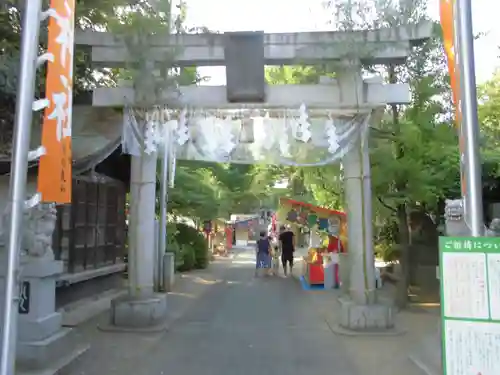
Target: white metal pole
[(18, 172), (369, 260), (163, 207), (470, 124), (162, 241), (173, 165)]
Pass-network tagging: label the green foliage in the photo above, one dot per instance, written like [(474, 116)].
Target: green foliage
[(188, 258), (317, 185), (388, 252), (489, 117), (193, 247), (89, 14), (201, 252), (195, 193), (414, 159), (239, 190), (207, 191), (137, 28), (283, 75), (172, 245), (489, 111)]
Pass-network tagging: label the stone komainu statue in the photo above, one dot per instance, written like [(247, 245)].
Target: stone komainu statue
[(39, 223), (494, 229), (456, 224)]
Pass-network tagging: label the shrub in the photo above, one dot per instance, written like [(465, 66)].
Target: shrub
[(201, 254), (188, 258), (387, 252), (186, 233), (189, 236), (172, 243)]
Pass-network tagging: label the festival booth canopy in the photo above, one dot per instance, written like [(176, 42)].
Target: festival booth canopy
[(319, 220), (243, 223), (313, 217)]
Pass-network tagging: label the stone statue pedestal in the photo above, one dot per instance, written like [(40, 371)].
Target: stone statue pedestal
[(41, 340)]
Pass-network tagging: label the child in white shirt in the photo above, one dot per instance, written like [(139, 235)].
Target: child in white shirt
[(276, 259)]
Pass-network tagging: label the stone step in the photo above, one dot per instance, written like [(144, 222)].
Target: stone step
[(47, 354)]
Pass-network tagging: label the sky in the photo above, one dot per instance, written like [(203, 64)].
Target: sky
[(309, 15)]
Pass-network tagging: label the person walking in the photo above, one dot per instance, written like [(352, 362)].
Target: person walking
[(263, 259), (287, 245), (276, 258)]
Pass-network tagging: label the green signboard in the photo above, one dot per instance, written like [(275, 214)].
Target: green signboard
[(470, 305)]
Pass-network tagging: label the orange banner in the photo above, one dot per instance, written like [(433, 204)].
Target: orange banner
[(54, 171), (448, 25)]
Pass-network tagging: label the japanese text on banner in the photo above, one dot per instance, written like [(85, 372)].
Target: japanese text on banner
[(470, 244), (54, 172)]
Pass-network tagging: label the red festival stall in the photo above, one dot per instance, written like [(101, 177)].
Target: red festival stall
[(328, 235)]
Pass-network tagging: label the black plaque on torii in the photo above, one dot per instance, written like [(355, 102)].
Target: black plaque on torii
[(244, 57)]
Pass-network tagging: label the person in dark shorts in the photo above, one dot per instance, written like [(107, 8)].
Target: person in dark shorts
[(263, 260), (287, 244)]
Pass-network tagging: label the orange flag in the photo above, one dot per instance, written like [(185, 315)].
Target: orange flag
[(447, 24), (54, 171), (448, 27)]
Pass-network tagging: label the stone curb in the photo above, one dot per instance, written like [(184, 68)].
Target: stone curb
[(157, 328), (338, 330), (86, 309), (59, 365)]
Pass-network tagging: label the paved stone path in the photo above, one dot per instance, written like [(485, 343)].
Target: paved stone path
[(239, 325), (250, 326)]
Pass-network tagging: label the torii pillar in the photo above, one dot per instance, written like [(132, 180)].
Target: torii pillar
[(141, 308), (360, 308)]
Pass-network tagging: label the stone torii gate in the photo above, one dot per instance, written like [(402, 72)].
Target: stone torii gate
[(245, 55)]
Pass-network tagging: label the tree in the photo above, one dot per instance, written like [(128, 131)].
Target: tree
[(206, 191), (196, 193), (325, 185), (282, 75), (416, 159), (489, 111), (235, 182), (489, 117), (90, 14), (415, 143), (414, 151)]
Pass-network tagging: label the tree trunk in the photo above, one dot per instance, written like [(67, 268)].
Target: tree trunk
[(404, 243)]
